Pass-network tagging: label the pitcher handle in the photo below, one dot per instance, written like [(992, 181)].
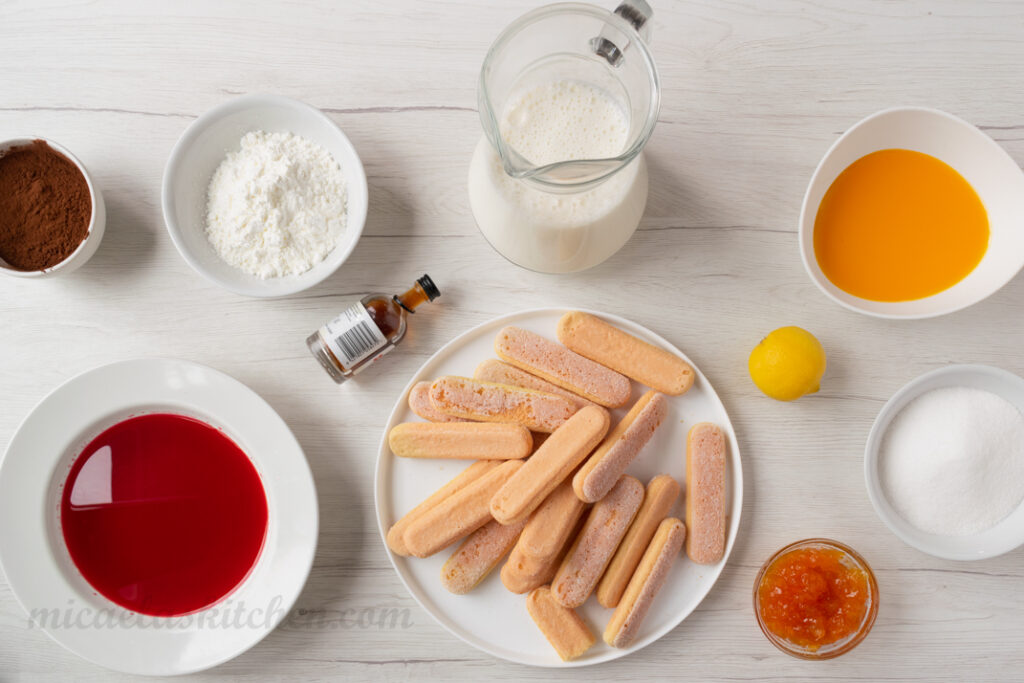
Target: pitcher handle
[(637, 14)]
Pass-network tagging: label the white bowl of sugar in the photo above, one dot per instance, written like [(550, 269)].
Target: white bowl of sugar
[(944, 462), (202, 149)]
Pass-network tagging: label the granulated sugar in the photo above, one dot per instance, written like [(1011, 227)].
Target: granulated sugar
[(952, 461)]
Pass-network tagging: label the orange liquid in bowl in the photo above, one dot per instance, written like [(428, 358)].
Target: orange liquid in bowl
[(899, 225)]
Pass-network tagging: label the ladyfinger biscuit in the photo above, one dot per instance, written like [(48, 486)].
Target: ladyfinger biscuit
[(478, 555), (602, 469), (551, 524), (550, 465), (461, 440), (648, 579), (551, 361), (500, 372), (420, 403), (661, 495), (488, 402), (397, 531), (705, 493), (563, 628), (521, 573), (595, 339), (544, 542), (459, 514), (596, 543)]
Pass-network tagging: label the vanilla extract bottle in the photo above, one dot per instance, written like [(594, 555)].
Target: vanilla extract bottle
[(367, 330)]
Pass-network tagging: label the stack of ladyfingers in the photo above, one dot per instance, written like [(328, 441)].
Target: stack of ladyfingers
[(548, 487)]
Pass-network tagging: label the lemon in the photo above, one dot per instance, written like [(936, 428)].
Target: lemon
[(787, 364)]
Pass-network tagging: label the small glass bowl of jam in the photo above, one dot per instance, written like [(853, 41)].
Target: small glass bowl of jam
[(816, 599)]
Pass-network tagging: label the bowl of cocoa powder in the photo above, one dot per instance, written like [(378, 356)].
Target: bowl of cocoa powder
[(52, 215)]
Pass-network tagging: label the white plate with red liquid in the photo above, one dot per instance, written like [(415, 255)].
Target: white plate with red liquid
[(157, 516), (491, 618)]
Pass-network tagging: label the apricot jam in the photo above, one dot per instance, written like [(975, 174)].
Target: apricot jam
[(816, 599)]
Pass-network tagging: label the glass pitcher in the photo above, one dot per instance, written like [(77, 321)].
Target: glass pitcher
[(568, 97)]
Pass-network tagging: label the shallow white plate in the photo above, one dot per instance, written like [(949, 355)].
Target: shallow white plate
[(992, 173), (36, 561), (493, 619), (1004, 536)]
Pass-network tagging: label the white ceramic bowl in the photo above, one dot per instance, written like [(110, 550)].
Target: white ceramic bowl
[(199, 152), (97, 221), (996, 178), (1001, 538)]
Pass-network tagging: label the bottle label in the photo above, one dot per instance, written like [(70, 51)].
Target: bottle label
[(386, 350), (353, 336)]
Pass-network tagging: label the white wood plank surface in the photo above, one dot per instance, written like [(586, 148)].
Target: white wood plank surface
[(754, 93)]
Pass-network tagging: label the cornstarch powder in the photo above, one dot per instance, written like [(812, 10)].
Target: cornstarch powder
[(277, 206), (952, 461)]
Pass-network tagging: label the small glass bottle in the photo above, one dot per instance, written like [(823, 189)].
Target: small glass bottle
[(367, 330)]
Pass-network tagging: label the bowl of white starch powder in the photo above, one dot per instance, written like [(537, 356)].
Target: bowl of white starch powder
[(264, 195), (944, 462)]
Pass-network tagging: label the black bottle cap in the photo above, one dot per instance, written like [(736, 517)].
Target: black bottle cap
[(429, 287)]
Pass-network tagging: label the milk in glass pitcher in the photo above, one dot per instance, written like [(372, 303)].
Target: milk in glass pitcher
[(568, 97)]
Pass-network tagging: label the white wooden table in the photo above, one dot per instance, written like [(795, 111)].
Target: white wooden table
[(754, 92)]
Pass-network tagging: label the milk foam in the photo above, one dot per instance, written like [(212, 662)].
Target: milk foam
[(564, 120)]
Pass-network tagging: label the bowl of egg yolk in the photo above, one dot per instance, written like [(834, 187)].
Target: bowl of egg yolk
[(913, 213)]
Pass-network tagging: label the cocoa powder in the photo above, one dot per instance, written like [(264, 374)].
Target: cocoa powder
[(45, 206)]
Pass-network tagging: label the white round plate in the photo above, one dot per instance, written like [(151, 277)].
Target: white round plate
[(491, 618), (36, 561)]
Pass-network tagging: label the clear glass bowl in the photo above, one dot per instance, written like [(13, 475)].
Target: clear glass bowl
[(839, 647)]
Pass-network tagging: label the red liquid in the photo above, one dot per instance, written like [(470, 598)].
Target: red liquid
[(163, 514)]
